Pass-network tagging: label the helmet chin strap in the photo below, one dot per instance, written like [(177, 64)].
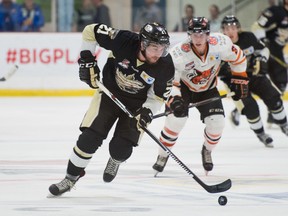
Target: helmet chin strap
[(143, 52)]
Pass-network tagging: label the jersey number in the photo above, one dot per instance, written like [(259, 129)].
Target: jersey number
[(104, 29)]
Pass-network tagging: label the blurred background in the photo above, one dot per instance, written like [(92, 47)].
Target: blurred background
[(122, 12), (43, 37)]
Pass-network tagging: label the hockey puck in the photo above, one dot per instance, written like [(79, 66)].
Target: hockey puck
[(222, 200)]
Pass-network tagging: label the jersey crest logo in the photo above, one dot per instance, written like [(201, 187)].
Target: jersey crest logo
[(185, 47), (213, 40), (125, 63), (200, 77), (128, 83), (148, 79)]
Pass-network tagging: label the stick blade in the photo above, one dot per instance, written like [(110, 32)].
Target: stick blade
[(224, 186), (9, 73)]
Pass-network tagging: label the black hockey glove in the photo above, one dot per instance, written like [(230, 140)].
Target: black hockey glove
[(178, 107), (259, 64), (143, 117), (239, 85), (260, 58), (88, 68)]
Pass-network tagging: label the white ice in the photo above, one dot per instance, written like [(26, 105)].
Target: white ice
[(37, 136)]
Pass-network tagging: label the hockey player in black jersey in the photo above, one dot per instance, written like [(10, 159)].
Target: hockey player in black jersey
[(274, 22), (257, 55), (139, 72)]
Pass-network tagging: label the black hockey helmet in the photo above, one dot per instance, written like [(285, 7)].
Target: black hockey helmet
[(155, 33), (198, 25), (230, 20)]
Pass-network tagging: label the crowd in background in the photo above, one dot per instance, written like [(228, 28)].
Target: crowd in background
[(74, 15), (71, 19), (27, 15)]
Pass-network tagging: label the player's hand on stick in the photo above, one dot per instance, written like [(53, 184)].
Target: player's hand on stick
[(143, 117), (239, 85), (258, 63), (260, 58), (88, 68), (177, 106)]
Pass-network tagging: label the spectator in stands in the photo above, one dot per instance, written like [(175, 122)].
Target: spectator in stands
[(149, 12), (85, 15), (102, 13), (215, 22), (65, 10), (272, 2), (31, 18), (182, 26), (8, 16)]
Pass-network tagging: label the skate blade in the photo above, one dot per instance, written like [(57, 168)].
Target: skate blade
[(270, 145), (49, 195), (155, 173)]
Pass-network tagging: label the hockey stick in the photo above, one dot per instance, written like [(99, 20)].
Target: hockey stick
[(200, 103), (221, 187), (279, 61), (10, 72)]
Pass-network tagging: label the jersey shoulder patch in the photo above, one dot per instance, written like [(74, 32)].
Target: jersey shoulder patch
[(213, 40), (219, 42), (186, 47), (217, 39)]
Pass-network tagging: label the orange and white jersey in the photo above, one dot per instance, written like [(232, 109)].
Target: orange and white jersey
[(200, 73)]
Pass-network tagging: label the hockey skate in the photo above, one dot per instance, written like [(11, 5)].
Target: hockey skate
[(206, 159), (266, 139), (111, 170), (160, 164), (235, 117), (284, 129), (270, 120), (63, 186)]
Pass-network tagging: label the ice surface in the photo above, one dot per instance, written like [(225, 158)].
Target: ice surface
[(37, 136)]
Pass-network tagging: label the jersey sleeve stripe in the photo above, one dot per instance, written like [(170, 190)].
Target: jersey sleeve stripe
[(238, 56), (239, 62)]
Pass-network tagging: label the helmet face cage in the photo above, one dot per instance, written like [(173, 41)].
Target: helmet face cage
[(230, 20), (155, 33), (198, 25)]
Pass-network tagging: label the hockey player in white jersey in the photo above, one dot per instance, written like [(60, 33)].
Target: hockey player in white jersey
[(197, 62)]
